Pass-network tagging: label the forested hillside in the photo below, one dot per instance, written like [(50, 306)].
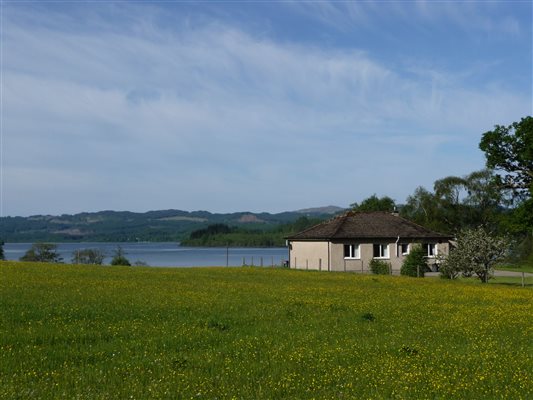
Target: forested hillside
[(124, 226), (224, 235)]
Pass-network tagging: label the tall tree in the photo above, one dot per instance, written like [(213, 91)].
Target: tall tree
[(422, 207), (375, 203), (484, 198), (509, 150), (449, 193), (456, 203)]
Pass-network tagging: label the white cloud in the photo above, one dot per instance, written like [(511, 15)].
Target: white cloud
[(205, 116)]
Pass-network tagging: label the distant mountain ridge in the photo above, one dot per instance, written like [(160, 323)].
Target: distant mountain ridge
[(127, 226), (321, 210)]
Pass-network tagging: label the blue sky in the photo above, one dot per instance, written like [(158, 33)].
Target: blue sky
[(260, 106)]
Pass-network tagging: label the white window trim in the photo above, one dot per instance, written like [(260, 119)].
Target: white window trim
[(435, 248), (352, 252), (408, 249), (383, 247)]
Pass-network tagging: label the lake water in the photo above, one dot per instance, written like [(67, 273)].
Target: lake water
[(167, 254)]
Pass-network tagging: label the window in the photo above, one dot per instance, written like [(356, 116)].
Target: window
[(351, 251), (381, 251), (404, 248), (430, 249)]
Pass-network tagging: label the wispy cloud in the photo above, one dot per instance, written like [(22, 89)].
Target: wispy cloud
[(471, 16), (199, 117)]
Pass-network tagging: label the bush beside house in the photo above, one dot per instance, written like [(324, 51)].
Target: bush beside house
[(379, 267), (415, 263)]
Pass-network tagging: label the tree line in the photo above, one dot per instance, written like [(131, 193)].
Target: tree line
[(221, 235), (48, 252)]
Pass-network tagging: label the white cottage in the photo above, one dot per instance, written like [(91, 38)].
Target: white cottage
[(349, 242)]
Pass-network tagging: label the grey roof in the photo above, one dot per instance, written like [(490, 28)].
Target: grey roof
[(367, 225)]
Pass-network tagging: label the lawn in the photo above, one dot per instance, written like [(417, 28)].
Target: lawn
[(525, 267), (249, 333)]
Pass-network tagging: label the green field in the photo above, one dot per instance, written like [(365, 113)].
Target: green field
[(80, 332), (517, 268)]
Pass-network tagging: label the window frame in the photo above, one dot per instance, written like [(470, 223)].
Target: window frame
[(384, 251), (433, 247), (351, 251), (402, 253)]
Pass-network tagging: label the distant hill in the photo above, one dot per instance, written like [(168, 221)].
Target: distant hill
[(125, 226), (321, 210)]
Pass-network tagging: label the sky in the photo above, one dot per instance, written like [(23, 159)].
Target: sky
[(255, 106)]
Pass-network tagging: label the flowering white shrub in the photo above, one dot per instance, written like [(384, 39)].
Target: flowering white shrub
[(477, 252)]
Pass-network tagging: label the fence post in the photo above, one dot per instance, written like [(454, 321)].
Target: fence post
[(272, 261), (252, 261), (243, 261), (418, 271), (306, 263), (523, 276), (390, 268), (320, 264), (345, 265), (362, 267)]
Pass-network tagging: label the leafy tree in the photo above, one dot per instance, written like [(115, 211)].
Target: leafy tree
[(422, 207), (477, 252), (457, 203), (42, 252), (415, 263), (469, 201), (519, 223), (449, 192), (375, 203), (119, 258), (88, 256), (521, 250), (450, 266), (519, 220), (509, 149), (484, 198)]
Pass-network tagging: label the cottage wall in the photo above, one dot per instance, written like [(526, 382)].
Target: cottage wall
[(314, 255), (309, 255)]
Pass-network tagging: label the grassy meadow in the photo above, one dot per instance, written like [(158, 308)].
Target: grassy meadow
[(526, 267), (83, 332)]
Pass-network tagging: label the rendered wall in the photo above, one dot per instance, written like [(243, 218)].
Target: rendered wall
[(309, 255)]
